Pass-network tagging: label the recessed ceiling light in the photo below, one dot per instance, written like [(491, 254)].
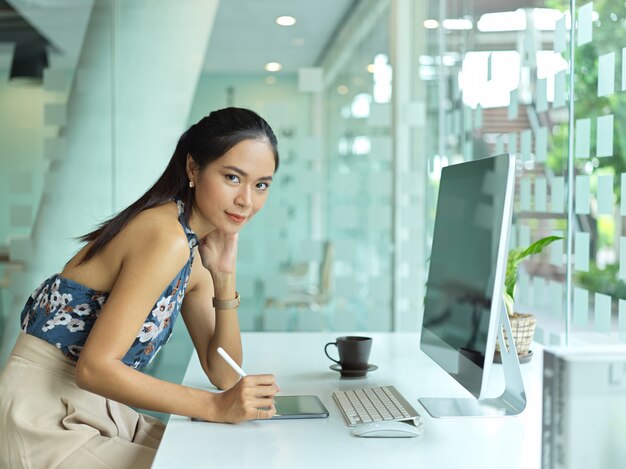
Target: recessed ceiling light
[(270, 80), (431, 24), (342, 89), (371, 68), (273, 67), (286, 20), (299, 41), (457, 24), (502, 21)]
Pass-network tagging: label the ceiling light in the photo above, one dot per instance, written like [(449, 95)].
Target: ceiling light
[(448, 60), (342, 89), (286, 20), (298, 41), (431, 24), (273, 67), (457, 24), (502, 21), (371, 68), (270, 80), (360, 107)]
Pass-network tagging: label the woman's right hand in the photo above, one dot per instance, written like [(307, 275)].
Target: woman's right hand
[(251, 398)]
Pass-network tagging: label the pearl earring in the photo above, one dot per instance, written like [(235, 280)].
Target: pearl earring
[(191, 184)]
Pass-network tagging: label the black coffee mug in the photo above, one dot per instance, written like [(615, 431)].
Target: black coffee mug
[(354, 352)]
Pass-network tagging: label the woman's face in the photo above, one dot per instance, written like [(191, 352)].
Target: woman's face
[(232, 189)]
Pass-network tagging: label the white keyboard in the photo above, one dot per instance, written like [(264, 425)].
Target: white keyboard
[(374, 404)]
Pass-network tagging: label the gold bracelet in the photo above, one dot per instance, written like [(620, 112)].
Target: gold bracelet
[(227, 304)]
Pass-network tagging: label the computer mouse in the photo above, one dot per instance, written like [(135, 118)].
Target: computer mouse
[(387, 430)]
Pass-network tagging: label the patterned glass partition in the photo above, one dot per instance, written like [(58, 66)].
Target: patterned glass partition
[(599, 250), (500, 80), (497, 83)]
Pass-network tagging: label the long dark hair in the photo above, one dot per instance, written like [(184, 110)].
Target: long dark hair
[(205, 141)]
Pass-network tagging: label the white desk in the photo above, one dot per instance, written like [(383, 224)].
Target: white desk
[(300, 366)]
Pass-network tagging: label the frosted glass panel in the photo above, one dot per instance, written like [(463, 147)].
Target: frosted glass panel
[(525, 142), (622, 257), (20, 215), (583, 133), (602, 319), (55, 148), (524, 236), (525, 194), (606, 74), (560, 35), (539, 290), (556, 249), (582, 195), (499, 144), (512, 143), (541, 144), (624, 69), (556, 298), (623, 199), (558, 195), (541, 95), (605, 135), (55, 114), (540, 194), (605, 195), (581, 251), (559, 90), (622, 320), (585, 26), (513, 111), (581, 307), (478, 119)]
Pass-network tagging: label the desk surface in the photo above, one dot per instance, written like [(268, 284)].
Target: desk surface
[(300, 366)]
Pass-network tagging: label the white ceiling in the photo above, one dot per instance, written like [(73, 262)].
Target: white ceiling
[(245, 35)]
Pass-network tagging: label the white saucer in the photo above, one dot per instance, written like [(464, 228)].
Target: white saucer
[(352, 373)]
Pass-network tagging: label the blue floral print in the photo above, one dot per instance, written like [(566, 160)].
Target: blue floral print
[(62, 312)]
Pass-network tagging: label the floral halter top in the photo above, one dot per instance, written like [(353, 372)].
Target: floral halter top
[(62, 312)]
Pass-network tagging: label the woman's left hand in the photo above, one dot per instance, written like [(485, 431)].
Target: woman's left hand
[(218, 251)]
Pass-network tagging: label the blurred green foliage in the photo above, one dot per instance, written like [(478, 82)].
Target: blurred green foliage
[(603, 280), (609, 35)]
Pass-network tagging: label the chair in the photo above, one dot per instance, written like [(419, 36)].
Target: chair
[(302, 298)]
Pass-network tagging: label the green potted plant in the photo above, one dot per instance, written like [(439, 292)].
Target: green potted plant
[(522, 325)]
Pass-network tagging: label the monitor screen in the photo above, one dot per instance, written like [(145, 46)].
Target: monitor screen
[(466, 272)]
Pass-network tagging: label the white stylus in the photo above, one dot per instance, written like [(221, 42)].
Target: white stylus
[(231, 362)]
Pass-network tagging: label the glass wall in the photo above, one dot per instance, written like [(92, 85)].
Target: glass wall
[(359, 174), (497, 83), (599, 250), (516, 78)]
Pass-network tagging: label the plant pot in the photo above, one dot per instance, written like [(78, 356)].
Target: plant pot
[(523, 328)]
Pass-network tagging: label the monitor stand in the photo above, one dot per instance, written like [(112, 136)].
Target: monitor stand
[(511, 402)]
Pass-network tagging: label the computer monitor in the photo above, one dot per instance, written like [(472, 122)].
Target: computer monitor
[(464, 309)]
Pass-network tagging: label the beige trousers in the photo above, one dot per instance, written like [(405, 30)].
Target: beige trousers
[(46, 421)]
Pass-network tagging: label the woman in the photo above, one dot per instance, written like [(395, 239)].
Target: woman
[(65, 392)]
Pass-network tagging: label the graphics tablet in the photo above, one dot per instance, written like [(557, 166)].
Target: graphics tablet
[(299, 407), (294, 407)]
